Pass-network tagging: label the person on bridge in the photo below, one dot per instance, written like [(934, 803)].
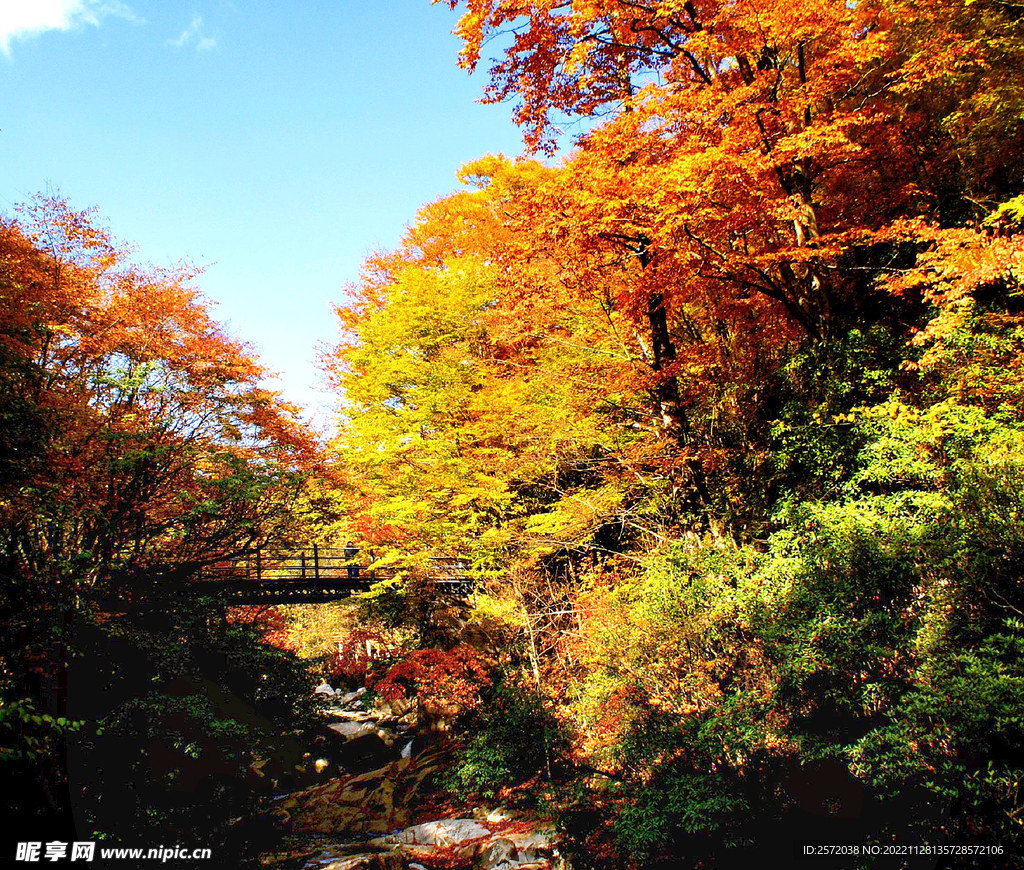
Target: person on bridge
[(351, 551)]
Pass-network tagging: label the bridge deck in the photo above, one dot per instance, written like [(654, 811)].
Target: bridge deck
[(311, 576)]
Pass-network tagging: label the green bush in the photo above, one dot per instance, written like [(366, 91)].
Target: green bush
[(514, 738), (681, 805)]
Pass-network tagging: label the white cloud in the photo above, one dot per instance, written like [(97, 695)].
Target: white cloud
[(193, 33), (23, 19)]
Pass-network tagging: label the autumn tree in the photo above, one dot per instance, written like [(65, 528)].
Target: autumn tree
[(138, 444), (715, 398), (155, 417), (751, 173)]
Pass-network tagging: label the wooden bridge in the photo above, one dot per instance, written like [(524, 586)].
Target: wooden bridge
[(312, 576)]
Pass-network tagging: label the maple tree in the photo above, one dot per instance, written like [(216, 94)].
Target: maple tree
[(446, 682), (753, 150)]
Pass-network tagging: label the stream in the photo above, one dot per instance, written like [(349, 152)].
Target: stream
[(376, 802)]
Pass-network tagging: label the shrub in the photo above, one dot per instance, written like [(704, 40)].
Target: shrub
[(514, 738)]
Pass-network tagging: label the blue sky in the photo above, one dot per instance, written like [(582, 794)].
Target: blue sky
[(276, 143)]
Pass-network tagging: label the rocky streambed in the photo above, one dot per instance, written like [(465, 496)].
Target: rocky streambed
[(377, 803)]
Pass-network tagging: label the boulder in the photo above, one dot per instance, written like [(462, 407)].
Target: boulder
[(446, 832), (460, 842), (402, 706), (388, 736), (345, 699), (533, 844), (502, 854), (374, 802), (401, 713), (324, 689), (353, 730)]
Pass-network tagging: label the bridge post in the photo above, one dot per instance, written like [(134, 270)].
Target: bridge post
[(302, 561), (259, 566), (316, 562)]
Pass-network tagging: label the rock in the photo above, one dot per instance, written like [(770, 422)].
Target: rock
[(542, 841), (536, 845), (352, 730), (374, 802), (446, 832), (320, 765), (344, 699), (465, 842), (349, 715), (362, 861), (402, 708), (323, 689), (498, 814), (502, 854), (407, 750), (532, 842)]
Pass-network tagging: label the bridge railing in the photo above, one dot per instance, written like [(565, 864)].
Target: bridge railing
[(317, 574), (325, 563)]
